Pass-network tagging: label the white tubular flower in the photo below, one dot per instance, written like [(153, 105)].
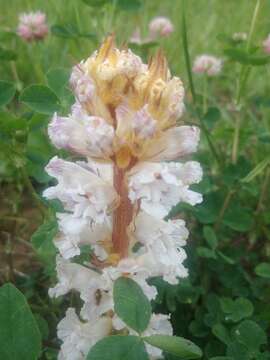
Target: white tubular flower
[(207, 64), (73, 276), (160, 186), (93, 287), (138, 124), (124, 124), (75, 232), (82, 85), (80, 190), (83, 134), (130, 268), (161, 251), (173, 143), (79, 337), (160, 26)]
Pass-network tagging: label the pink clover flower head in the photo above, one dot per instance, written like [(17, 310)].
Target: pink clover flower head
[(207, 64), (160, 26), (266, 45), (32, 26)]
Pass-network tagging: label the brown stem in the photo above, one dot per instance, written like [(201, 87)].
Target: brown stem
[(123, 214)]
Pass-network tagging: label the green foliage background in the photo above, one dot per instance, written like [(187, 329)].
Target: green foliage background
[(224, 305)]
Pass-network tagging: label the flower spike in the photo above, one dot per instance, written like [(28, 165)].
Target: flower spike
[(124, 124)]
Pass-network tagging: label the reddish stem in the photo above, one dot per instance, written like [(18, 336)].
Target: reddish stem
[(123, 214)]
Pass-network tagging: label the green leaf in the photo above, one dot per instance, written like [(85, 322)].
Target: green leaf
[(257, 170), (9, 124), (7, 91), (222, 358), (263, 270), (19, 334), (207, 212), (211, 117), (236, 310), (250, 334), (226, 258), (221, 333), (67, 31), (175, 345), (130, 304), (118, 347), (38, 149), (205, 252), (58, 79), (263, 356), (40, 98), (128, 5), (186, 293), (42, 240), (210, 236), (233, 173), (241, 56), (238, 218), (70, 31), (237, 351), (7, 55), (43, 326)]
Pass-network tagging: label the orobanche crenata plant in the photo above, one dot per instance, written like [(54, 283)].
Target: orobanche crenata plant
[(123, 124)]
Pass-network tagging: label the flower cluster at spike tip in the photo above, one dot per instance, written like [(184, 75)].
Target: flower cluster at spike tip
[(124, 125)]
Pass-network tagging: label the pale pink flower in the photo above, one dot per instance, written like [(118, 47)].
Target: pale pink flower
[(136, 37), (266, 45), (207, 64), (32, 26), (160, 26)]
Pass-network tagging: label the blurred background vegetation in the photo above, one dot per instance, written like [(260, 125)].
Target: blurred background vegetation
[(228, 291)]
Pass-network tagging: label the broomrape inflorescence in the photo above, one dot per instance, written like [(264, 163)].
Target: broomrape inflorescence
[(124, 124)]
